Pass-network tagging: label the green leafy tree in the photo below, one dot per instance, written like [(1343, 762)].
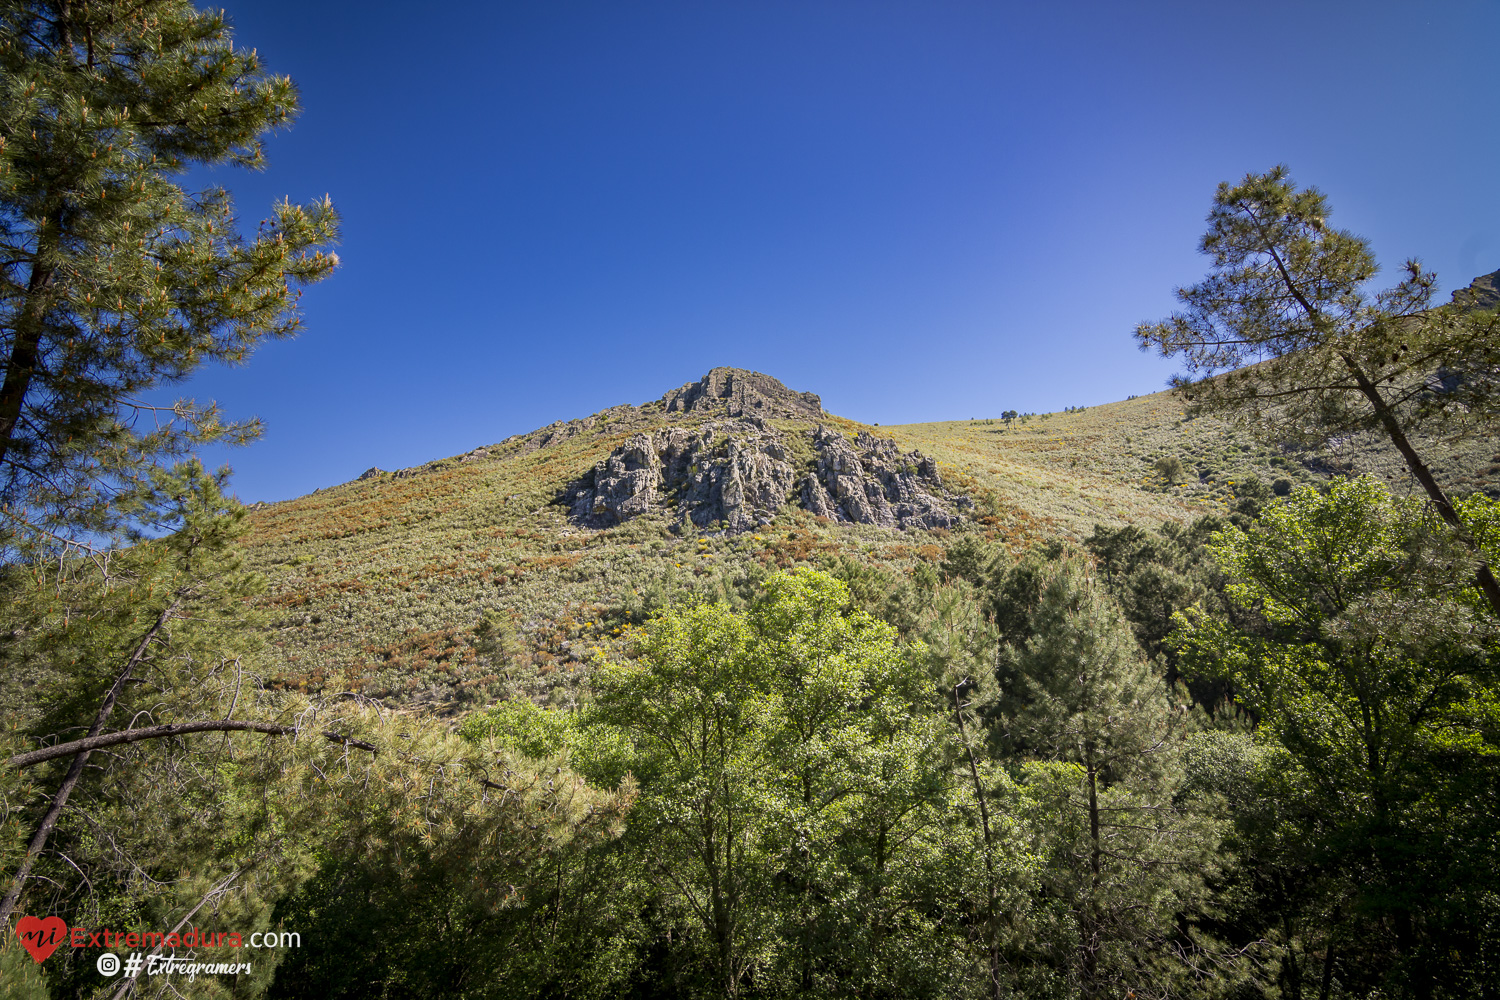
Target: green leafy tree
[(861, 765), (699, 718), (791, 780), (1127, 853), (114, 280), (1283, 335), (1371, 671)]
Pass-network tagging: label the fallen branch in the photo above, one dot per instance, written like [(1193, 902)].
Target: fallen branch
[(170, 729)]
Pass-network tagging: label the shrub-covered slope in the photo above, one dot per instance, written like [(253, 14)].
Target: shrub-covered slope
[(480, 575)]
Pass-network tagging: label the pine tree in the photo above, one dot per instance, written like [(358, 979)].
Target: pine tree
[(1283, 335), (114, 280), (149, 636), (1126, 855), (959, 645)]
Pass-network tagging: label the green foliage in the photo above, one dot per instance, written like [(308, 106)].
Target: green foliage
[(1170, 469), (117, 280), (22, 977), (790, 782), (434, 831), (1283, 335), (519, 725), (1369, 663), (152, 828), (1128, 854), (973, 560), (1155, 574)]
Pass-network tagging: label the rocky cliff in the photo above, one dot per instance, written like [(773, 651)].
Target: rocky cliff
[(738, 473)]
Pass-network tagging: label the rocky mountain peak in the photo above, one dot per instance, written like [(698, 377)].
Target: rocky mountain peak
[(734, 392)]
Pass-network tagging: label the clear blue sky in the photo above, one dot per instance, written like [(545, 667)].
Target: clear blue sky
[(921, 211)]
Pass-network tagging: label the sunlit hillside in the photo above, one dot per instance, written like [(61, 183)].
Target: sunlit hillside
[(379, 585)]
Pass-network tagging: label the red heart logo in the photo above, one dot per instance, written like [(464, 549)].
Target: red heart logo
[(41, 937)]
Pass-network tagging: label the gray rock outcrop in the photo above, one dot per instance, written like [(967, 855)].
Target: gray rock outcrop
[(739, 473), (871, 482)]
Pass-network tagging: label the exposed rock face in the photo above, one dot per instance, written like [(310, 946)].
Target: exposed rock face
[(736, 472), (870, 482), (373, 472), (741, 472), (708, 453), (1483, 292), (738, 393), (722, 393)]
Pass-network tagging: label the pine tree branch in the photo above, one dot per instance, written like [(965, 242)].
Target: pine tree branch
[(91, 743)]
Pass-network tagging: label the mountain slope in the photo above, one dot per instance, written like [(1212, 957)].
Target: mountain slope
[(496, 572)]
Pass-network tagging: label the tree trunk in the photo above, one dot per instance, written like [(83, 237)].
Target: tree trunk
[(991, 944), (718, 904), (25, 350), (104, 740), (1328, 958), (1291, 972), (91, 743), (1484, 577), (877, 918), (1087, 925)]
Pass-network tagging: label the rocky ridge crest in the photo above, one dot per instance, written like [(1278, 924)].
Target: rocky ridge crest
[(734, 392), (723, 392), (708, 453)]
